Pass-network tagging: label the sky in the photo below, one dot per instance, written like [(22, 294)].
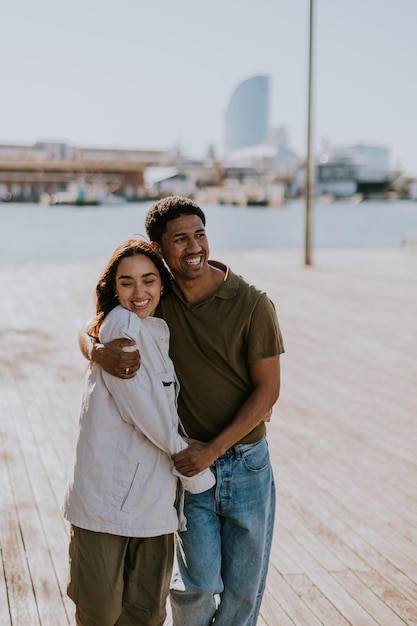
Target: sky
[(159, 73)]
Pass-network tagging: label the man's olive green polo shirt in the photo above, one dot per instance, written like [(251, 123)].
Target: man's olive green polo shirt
[(212, 344)]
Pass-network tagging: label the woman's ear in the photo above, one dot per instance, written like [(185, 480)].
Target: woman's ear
[(156, 247)]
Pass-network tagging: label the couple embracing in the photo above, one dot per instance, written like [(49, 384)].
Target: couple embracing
[(163, 451)]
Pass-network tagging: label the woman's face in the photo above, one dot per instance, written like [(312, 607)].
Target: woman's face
[(138, 285)]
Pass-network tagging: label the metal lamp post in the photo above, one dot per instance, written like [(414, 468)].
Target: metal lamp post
[(309, 190)]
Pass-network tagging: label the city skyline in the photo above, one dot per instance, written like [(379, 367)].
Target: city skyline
[(160, 74)]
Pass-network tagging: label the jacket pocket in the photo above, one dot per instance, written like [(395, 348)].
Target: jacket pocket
[(133, 494), (170, 387)]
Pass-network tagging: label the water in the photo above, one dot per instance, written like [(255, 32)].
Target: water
[(35, 233)]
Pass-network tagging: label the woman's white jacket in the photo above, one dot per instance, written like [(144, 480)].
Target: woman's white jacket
[(123, 481)]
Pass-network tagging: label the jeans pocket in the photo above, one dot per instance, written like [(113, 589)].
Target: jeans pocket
[(255, 456)]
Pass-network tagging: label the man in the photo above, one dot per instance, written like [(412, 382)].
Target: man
[(226, 346)]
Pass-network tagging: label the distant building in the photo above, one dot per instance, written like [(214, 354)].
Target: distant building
[(250, 141), (60, 151), (343, 172), (375, 157), (165, 181), (363, 169), (247, 116), (49, 169)]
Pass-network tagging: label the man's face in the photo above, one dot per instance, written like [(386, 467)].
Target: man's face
[(184, 247)]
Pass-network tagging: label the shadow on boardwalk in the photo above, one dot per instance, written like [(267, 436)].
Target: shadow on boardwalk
[(343, 436)]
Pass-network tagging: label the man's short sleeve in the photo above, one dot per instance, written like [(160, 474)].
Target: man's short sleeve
[(264, 336)]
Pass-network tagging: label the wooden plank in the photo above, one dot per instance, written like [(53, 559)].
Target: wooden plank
[(4, 600), (330, 595), (373, 598), (7, 505), (20, 597), (318, 603), (290, 600), (25, 476), (348, 606), (22, 602), (272, 612)]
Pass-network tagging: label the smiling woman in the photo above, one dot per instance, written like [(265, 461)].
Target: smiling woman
[(130, 429)]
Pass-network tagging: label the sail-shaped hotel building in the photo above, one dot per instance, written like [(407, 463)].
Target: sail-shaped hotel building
[(247, 116)]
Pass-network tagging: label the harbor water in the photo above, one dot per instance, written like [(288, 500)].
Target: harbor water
[(36, 233)]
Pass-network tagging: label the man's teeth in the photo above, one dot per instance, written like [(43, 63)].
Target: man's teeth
[(193, 261)]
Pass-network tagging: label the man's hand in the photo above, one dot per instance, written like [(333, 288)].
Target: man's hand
[(194, 459), (115, 360)]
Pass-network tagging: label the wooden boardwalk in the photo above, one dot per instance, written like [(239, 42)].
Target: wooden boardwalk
[(343, 436)]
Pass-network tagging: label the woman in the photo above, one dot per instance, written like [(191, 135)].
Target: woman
[(121, 498)]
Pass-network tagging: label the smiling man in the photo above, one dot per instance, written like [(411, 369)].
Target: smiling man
[(226, 346)]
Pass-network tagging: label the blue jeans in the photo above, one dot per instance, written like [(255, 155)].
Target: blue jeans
[(223, 556)]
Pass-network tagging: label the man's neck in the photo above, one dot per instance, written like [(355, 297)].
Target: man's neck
[(198, 289)]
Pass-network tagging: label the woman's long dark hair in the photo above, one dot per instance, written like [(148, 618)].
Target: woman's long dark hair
[(106, 298)]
